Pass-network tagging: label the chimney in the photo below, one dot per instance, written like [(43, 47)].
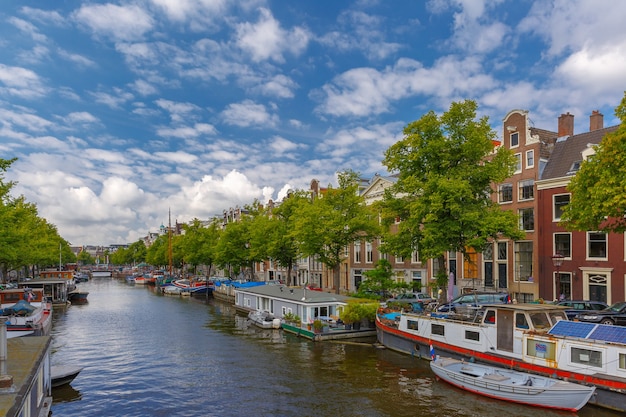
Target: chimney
[(566, 125), (596, 121)]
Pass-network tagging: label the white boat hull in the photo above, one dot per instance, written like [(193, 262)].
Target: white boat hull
[(512, 386)]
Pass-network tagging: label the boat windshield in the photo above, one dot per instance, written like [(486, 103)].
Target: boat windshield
[(540, 321), (555, 316)]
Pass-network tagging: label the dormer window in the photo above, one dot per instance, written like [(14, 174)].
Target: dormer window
[(574, 168)]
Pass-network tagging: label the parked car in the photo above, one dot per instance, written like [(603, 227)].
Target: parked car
[(412, 297), (615, 314), (576, 307), (475, 299)]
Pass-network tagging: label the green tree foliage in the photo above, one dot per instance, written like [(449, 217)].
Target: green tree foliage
[(328, 224), (85, 258), (233, 249), (272, 234), (446, 167), (198, 243), (378, 282), (25, 238), (598, 190)]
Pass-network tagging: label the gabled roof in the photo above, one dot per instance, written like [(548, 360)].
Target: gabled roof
[(567, 155)]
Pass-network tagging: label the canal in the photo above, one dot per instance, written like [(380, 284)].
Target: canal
[(149, 355)]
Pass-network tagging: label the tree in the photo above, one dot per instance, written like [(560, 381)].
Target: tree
[(379, 282), (598, 190), (328, 224), (446, 166), (271, 234)]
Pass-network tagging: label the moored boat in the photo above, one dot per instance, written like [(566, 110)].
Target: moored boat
[(513, 386), (27, 312), (63, 374), (264, 320), (535, 338), (77, 296)]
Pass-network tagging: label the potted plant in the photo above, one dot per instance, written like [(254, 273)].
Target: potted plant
[(317, 326), (347, 316)]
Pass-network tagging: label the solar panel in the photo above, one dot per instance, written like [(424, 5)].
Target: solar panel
[(609, 333), (572, 329)]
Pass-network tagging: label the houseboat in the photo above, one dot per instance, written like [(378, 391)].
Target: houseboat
[(306, 304), (56, 274), (25, 379), (27, 312), (534, 338), (54, 290)]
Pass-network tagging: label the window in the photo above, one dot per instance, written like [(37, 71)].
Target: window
[(596, 245), (526, 190), (412, 325), (530, 159), (563, 244), (518, 165), (520, 321), (502, 250), (415, 257), (369, 253), (437, 329), (399, 259), (523, 260), (560, 201), (505, 193), (357, 251), (514, 139), (622, 361), (587, 357), (527, 219), (470, 335)]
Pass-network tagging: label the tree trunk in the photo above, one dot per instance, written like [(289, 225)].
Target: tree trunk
[(336, 277)]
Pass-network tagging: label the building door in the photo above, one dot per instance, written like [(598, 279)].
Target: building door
[(502, 276), (597, 288)]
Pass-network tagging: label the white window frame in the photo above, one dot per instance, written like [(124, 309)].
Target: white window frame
[(521, 186), (518, 166), (530, 158), (555, 249), (500, 193), (511, 136), (369, 253), (606, 246), (554, 205), (357, 252)]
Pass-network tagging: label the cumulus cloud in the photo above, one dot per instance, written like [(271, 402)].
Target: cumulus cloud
[(266, 40), (248, 114), (119, 23)]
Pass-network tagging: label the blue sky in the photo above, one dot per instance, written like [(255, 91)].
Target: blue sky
[(120, 111)]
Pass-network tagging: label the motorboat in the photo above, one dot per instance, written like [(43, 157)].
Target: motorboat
[(264, 320)]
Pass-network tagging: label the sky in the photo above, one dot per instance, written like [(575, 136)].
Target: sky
[(121, 112)]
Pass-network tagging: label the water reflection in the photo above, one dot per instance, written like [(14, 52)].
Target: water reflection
[(65, 394)]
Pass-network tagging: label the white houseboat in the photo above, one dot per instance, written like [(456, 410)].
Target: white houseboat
[(536, 338)]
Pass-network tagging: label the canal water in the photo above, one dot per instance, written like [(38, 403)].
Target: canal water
[(150, 355)]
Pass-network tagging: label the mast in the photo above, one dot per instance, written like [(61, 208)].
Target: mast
[(169, 241)]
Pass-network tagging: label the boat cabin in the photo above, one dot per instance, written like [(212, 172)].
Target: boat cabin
[(54, 289), (56, 274), (11, 296)]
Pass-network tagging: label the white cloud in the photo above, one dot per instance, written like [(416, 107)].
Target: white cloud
[(21, 82), (266, 40), (187, 132), (120, 23), (248, 114), (114, 101), (77, 59), (44, 16)]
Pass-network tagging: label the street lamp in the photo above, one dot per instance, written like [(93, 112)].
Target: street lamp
[(557, 261)]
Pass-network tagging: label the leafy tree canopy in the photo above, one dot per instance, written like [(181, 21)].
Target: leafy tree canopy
[(598, 190), (446, 166)]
